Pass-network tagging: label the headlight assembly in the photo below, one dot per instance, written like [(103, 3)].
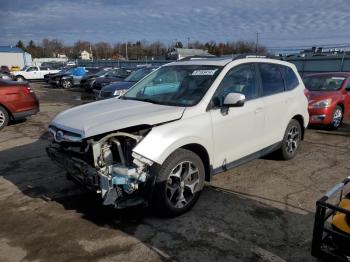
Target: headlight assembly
[(322, 104), (119, 92)]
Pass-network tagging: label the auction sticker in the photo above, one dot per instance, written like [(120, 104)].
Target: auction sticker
[(204, 72)]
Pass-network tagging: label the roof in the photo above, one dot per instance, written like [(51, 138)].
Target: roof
[(10, 49), (222, 61), (216, 61)]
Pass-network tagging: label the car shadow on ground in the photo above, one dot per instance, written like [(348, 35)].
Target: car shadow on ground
[(72, 224), (343, 130)]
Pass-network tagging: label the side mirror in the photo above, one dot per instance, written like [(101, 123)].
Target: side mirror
[(234, 100), (347, 88)]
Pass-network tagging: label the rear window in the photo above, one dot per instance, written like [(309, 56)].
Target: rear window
[(271, 79), (290, 79)]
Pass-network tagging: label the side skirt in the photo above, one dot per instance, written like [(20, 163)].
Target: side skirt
[(246, 159)]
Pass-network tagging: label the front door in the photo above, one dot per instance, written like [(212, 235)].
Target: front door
[(237, 132)]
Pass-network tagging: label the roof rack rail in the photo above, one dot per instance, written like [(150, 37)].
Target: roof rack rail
[(252, 55), (194, 57)]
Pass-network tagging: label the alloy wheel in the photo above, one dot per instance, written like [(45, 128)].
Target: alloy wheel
[(292, 140), (2, 118), (182, 184), (337, 117)]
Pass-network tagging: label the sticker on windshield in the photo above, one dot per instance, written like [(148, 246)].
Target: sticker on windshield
[(338, 78), (204, 72)]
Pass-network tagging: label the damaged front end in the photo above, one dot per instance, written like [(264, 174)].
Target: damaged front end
[(105, 164)]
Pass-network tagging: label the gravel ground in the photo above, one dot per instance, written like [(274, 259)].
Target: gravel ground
[(262, 211)]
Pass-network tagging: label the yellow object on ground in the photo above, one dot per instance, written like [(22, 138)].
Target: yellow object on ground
[(339, 219)]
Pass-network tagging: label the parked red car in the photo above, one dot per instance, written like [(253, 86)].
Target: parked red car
[(17, 101), (329, 98)]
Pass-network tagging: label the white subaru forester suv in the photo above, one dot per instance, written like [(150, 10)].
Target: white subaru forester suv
[(179, 126)]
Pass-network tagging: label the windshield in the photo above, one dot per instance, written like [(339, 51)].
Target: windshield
[(323, 83), (102, 72), (138, 75), (180, 85)]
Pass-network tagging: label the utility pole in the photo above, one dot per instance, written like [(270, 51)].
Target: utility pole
[(188, 42), (126, 50), (257, 43), (92, 57)]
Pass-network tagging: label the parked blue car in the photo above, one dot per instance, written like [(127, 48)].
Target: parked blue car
[(70, 77)]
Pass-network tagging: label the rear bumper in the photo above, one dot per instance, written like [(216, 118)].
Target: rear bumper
[(23, 114), (321, 116)]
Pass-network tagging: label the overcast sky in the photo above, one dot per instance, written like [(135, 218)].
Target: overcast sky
[(281, 23)]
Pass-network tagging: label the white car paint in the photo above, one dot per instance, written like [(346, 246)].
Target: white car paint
[(98, 117), (258, 124), (244, 130), (34, 73)]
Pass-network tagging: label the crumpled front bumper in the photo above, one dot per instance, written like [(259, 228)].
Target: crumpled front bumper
[(94, 180), (76, 168)]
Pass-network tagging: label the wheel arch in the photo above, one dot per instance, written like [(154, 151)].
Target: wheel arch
[(341, 105), (200, 151), (301, 121), (8, 111), (17, 76)]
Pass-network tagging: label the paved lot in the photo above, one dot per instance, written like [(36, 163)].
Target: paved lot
[(262, 211)]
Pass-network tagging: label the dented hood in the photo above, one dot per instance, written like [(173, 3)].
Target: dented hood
[(114, 114)]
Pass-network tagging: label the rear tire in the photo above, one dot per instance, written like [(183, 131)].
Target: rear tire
[(4, 117), (291, 140), (179, 183), (337, 118)]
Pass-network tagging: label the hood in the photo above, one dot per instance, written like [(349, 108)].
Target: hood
[(60, 74), (321, 95), (114, 114), (117, 86), (108, 79), (87, 77)]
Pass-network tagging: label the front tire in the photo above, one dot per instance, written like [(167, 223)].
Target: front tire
[(66, 84), (4, 117), (179, 182), (20, 78), (291, 140), (337, 118)]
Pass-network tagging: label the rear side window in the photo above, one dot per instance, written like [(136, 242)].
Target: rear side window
[(271, 79), (290, 79)]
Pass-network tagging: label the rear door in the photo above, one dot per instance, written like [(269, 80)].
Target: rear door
[(275, 102), (10, 97)]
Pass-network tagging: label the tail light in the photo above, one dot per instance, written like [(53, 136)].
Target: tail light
[(26, 89)]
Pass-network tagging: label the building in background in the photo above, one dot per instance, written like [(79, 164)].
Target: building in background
[(14, 56), (85, 55)]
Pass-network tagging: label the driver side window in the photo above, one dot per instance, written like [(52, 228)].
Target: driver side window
[(240, 79), (31, 69)]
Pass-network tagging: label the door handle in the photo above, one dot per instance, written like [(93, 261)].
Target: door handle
[(258, 110)]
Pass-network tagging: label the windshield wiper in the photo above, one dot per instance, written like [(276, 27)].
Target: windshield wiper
[(142, 100)]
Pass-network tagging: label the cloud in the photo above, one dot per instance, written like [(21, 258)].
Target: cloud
[(279, 22)]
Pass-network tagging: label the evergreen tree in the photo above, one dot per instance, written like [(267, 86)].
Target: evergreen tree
[(20, 45)]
